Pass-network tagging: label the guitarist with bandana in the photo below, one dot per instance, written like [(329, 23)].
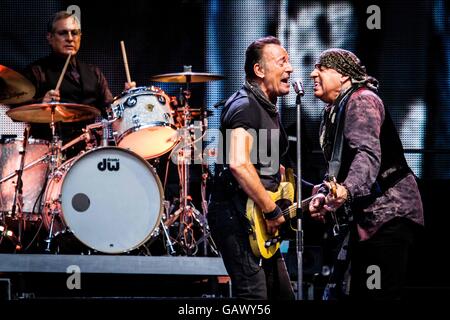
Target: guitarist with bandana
[(373, 189)]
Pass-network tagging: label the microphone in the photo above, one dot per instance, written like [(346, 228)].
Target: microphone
[(298, 87)]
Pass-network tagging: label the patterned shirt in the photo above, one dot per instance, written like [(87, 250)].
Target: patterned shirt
[(364, 115)]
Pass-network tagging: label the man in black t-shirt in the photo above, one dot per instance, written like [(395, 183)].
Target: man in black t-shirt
[(253, 142)]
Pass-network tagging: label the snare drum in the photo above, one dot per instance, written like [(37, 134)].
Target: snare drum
[(109, 198), (144, 122), (33, 178)]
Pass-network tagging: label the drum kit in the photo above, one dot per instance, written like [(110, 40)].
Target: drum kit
[(109, 198)]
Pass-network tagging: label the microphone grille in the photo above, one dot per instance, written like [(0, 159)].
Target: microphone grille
[(298, 87)]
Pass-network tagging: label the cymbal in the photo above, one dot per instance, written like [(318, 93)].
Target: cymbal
[(187, 77), (42, 112), (14, 88)]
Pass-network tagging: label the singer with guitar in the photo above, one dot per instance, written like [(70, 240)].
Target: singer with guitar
[(252, 143), (375, 187)]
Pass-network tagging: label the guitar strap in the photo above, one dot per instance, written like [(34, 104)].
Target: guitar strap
[(334, 164), (338, 284)]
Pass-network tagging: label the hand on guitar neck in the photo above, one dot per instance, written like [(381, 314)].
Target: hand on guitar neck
[(329, 196)]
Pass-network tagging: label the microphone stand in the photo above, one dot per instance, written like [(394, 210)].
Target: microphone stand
[(298, 87)]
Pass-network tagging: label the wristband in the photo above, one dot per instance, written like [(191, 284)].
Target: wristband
[(349, 198), (272, 215)]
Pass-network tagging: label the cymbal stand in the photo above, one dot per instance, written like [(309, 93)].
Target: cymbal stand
[(187, 212), (18, 194), (206, 238), (165, 228), (55, 162)]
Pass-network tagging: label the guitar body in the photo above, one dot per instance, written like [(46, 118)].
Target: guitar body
[(283, 197)]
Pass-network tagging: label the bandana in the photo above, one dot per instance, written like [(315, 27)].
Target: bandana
[(347, 64), (261, 97)]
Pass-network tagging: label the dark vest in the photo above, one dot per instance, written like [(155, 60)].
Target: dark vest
[(393, 163), (86, 91)]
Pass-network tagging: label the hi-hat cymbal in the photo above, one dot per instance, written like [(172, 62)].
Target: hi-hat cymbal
[(187, 77), (42, 112), (14, 88)]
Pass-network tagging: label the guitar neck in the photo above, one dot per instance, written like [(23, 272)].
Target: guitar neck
[(291, 211), (305, 204)]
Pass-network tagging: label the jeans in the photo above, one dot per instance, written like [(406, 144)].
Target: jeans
[(251, 277)]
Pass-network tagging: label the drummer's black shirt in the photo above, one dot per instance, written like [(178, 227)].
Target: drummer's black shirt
[(82, 83)]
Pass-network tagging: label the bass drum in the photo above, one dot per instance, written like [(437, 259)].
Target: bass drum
[(109, 198)]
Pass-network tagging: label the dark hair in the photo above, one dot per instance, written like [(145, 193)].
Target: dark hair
[(254, 52), (60, 15)]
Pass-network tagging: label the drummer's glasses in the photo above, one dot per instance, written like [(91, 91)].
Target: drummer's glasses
[(64, 33)]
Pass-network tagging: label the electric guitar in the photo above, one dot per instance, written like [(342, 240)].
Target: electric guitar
[(263, 244), (266, 245)]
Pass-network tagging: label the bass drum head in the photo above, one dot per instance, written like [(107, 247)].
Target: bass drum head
[(111, 200)]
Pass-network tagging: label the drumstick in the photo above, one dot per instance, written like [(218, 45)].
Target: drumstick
[(125, 61), (63, 72)]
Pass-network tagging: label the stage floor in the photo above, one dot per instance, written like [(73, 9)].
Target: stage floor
[(51, 275)]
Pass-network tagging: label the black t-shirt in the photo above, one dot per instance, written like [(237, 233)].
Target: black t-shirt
[(270, 143)]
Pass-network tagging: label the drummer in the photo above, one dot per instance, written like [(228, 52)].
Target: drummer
[(82, 83)]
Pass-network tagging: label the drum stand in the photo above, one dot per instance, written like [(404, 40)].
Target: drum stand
[(165, 229), (54, 158), (187, 213), (18, 194), (55, 162)]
